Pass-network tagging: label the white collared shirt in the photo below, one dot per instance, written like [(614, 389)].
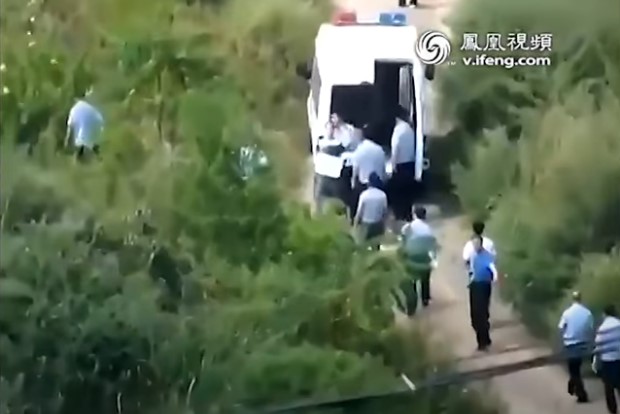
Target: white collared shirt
[(372, 206), (576, 325), (367, 158), (608, 340), (403, 143), (346, 135), (417, 228), (469, 251)]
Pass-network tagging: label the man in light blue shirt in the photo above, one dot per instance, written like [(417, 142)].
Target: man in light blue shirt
[(84, 125), (367, 158), (607, 356), (372, 211), (419, 247), (482, 275), (577, 329)]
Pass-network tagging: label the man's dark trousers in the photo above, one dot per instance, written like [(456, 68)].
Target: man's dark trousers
[(357, 189), (610, 374), (401, 191), (479, 302), (409, 291), (575, 355), (425, 286)]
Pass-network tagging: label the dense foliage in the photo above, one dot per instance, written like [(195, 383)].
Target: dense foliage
[(543, 164), (159, 278)]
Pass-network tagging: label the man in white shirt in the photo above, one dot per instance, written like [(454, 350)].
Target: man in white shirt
[(403, 166), (367, 158), (84, 125), (343, 133), (372, 211), (577, 329), (339, 139), (607, 356)]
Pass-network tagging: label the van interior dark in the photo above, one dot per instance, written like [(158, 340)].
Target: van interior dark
[(374, 106)]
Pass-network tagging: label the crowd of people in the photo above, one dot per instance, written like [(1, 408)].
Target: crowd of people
[(369, 194)]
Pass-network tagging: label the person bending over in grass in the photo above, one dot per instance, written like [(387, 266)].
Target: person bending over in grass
[(84, 125)]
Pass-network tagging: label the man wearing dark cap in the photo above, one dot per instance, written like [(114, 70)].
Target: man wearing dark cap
[(372, 210), (367, 158)]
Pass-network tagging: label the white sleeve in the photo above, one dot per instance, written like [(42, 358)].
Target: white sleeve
[(491, 247), (71, 118), (494, 271), (404, 229), (467, 251), (562, 323), (360, 205), (394, 140)]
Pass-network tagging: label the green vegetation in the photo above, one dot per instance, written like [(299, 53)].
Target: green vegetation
[(157, 279), (543, 159)]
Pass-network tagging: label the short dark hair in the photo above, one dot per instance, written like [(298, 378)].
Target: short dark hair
[(478, 228), (402, 113), (420, 212), (610, 310)]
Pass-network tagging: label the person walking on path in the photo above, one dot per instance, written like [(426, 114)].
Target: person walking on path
[(607, 356), (419, 250), (487, 243), (372, 212), (402, 158), (577, 329), (482, 274)]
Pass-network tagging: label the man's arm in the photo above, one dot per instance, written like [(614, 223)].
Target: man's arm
[(598, 345), (494, 271), (360, 210), (562, 323), (394, 145), (386, 211), (491, 247), (69, 128), (467, 253), (354, 169)]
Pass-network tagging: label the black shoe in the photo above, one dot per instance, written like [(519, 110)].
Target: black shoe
[(583, 400), (425, 303)]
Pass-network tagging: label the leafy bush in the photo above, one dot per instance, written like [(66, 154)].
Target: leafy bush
[(162, 278), (547, 173)]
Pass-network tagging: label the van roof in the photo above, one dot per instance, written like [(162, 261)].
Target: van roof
[(346, 54)]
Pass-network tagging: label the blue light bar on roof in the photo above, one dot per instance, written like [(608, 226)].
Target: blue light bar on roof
[(393, 19)]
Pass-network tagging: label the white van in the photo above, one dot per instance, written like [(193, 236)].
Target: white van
[(361, 70)]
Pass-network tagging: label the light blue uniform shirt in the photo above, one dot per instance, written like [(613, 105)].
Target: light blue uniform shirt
[(576, 325), (86, 124), (608, 340)]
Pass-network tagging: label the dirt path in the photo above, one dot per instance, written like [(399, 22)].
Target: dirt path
[(536, 391)]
